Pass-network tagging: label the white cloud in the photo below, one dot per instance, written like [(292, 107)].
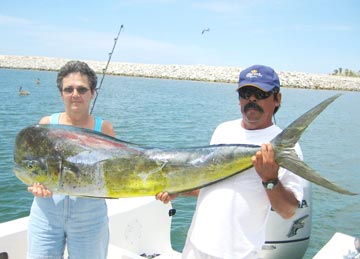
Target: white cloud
[(230, 6), (13, 21), (145, 50)]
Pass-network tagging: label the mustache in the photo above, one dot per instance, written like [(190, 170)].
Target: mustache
[(253, 105)]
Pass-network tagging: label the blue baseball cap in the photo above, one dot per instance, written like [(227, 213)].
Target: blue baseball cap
[(262, 77)]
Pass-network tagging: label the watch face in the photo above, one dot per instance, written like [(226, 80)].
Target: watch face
[(270, 186)]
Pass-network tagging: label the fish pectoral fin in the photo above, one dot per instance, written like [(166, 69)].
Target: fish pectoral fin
[(95, 196), (291, 161), (61, 175), (159, 169)]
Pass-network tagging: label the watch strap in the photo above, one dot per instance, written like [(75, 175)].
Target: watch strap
[(270, 185)]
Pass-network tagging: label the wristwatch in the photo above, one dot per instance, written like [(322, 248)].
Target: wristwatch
[(270, 185)]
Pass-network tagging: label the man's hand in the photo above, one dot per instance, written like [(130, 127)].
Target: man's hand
[(165, 197), (265, 164)]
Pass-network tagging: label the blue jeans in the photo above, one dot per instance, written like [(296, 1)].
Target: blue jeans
[(81, 223)]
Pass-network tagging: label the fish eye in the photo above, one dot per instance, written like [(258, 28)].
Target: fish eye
[(30, 164)]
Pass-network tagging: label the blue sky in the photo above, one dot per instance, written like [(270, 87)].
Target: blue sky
[(314, 36)]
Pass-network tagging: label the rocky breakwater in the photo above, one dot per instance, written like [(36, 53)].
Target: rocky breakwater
[(185, 72)]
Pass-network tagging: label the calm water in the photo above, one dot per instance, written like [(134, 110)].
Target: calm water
[(181, 113)]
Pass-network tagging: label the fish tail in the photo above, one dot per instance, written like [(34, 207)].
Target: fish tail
[(286, 156)]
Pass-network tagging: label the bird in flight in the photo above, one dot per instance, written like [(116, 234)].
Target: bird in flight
[(204, 30)]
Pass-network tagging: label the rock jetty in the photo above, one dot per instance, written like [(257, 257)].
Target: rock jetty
[(185, 72)]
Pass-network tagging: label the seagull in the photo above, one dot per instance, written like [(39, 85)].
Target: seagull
[(204, 30), (22, 92)]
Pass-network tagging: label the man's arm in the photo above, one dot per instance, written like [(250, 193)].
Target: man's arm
[(282, 200)]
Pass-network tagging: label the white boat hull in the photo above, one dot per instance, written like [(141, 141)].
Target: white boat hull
[(138, 226), (142, 226), (340, 246)]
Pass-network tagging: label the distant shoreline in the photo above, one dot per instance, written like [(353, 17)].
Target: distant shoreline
[(185, 72)]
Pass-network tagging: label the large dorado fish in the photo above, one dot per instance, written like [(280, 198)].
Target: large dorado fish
[(81, 162)]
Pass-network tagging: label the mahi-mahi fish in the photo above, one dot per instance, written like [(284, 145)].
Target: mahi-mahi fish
[(82, 162)]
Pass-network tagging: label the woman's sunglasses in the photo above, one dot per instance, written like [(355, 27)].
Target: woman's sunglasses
[(81, 90)]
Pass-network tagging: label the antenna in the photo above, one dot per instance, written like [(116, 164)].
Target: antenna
[(105, 69)]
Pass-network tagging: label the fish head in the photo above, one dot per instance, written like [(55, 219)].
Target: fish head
[(36, 161), (38, 170)]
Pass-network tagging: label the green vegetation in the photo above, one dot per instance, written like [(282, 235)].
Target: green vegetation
[(346, 72)]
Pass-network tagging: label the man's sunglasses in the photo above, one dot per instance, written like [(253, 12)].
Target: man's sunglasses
[(247, 92), (81, 90)]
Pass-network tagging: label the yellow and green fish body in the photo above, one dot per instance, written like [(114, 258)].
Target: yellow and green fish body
[(81, 162)]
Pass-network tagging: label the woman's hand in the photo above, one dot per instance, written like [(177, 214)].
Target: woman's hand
[(39, 190)]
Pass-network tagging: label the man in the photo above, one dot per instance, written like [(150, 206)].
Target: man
[(230, 217)]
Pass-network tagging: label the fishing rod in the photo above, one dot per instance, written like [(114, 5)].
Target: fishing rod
[(105, 69)]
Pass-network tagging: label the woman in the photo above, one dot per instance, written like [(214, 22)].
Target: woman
[(59, 220)]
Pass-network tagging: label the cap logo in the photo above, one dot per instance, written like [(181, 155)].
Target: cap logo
[(253, 74)]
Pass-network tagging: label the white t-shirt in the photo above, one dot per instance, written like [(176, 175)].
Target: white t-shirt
[(231, 215)]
